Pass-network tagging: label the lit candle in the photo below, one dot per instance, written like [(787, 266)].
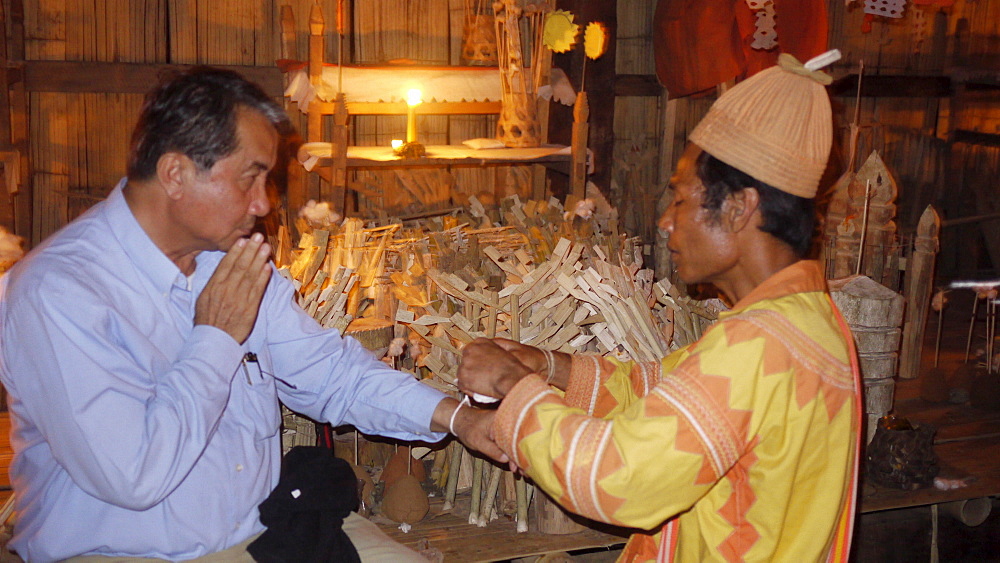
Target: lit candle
[(396, 143), (412, 101)]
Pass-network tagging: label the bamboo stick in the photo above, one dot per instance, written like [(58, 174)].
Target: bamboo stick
[(520, 490), (864, 226), (477, 484), (487, 508), (453, 474)]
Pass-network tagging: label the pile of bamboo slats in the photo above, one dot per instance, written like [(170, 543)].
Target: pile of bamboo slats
[(529, 271), (526, 271), (333, 270)]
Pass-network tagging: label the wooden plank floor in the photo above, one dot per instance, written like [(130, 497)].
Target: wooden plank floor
[(459, 541), (967, 441), (967, 444)]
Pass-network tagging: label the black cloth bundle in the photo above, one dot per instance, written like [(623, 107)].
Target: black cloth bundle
[(305, 513)]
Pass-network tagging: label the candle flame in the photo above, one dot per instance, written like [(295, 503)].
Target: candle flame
[(413, 97), (396, 143)]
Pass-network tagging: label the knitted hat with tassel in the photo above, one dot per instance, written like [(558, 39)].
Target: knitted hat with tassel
[(776, 126)]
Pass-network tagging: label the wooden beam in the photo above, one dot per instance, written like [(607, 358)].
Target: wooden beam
[(894, 86), (5, 71), (975, 138), (21, 203), (638, 85), (76, 77), (400, 108)]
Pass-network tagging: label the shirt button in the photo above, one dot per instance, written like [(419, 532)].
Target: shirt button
[(239, 467)]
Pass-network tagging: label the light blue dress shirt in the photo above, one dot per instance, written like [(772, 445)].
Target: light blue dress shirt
[(137, 433)]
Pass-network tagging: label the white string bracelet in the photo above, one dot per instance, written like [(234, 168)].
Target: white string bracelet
[(451, 422), (550, 360)]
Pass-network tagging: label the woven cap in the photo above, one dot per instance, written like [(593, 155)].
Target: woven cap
[(775, 126)]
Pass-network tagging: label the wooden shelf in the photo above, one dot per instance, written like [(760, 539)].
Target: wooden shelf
[(438, 155)]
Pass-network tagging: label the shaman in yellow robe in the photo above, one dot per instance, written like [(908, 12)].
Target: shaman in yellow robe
[(741, 446)]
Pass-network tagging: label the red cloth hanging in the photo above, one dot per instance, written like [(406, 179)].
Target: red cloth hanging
[(701, 43)]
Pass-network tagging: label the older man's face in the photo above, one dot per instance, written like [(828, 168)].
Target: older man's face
[(225, 201), (700, 247)]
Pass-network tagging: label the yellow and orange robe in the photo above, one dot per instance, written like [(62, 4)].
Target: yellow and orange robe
[(741, 446)]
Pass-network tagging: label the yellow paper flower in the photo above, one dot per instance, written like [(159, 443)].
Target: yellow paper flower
[(595, 40), (559, 33)]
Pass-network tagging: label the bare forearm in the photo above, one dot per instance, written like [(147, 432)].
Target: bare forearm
[(442, 414), (469, 424), (553, 367)]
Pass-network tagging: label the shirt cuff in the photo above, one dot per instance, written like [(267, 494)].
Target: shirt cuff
[(584, 382), (514, 417), (424, 400)]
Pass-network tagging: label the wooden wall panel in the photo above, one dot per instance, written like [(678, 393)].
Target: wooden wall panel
[(636, 185), (89, 154), (49, 143), (402, 30), (979, 26), (45, 29), (635, 37), (183, 31)]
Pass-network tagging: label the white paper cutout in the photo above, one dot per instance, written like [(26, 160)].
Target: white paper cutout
[(765, 36), (918, 28), (885, 8)]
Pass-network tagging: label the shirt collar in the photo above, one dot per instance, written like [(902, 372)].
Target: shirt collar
[(803, 276), (140, 249)]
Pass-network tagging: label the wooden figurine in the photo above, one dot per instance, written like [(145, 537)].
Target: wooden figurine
[(864, 242), (875, 182), (518, 124), (479, 39)]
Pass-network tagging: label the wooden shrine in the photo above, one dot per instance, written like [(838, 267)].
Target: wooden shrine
[(339, 92)]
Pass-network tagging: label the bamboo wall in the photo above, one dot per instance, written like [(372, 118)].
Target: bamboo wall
[(911, 134), (914, 135), (79, 140)]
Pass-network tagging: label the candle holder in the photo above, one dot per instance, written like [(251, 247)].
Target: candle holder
[(408, 150), (412, 101), (411, 148)]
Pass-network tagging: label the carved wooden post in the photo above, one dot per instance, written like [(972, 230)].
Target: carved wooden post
[(316, 47), (338, 162), (295, 180), (581, 128), (288, 44), (918, 289)]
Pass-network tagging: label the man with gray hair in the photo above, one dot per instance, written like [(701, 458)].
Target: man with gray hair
[(145, 347)]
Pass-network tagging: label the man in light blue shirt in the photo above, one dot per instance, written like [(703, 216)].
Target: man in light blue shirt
[(136, 430)]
